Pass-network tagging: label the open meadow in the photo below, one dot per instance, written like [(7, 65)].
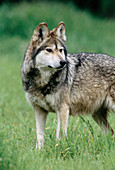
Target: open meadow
[(85, 148)]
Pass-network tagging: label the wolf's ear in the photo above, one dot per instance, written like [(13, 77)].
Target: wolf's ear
[(59, 31), (40, 33)]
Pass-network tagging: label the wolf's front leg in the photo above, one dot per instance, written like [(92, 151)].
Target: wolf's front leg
[(40, 116), (62, 120)]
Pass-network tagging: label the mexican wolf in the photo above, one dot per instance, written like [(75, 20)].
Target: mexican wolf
[(67, 84)]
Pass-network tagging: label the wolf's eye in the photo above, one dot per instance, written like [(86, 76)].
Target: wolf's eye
[(60, 50), (49, 50)]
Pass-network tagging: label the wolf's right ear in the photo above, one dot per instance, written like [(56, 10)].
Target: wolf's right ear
[(59, 31), (40, 32)]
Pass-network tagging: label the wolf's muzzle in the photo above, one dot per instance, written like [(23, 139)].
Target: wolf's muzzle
[(62, 63)]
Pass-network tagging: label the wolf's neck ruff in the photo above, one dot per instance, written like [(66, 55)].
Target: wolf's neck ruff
[(53, 83), (42, 82)]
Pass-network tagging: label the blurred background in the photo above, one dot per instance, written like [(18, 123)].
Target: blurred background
[(98, 7), (90, 25)]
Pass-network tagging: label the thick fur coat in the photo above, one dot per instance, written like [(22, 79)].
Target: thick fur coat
[(76, 84)]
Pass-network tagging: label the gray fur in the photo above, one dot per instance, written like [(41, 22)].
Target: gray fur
[(86, 85)]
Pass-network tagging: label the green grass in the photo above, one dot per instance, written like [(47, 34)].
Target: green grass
[(85, 148)]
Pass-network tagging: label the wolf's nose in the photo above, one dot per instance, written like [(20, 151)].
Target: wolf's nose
[(63, 62)]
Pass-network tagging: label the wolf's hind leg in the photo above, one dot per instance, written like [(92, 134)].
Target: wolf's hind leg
[(100, 118), (40, 116), (110, 100)]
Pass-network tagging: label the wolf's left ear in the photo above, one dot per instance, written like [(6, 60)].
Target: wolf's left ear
[(59, 31), (41, 32)]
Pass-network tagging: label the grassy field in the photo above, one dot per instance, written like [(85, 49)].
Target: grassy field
[(86, 148)]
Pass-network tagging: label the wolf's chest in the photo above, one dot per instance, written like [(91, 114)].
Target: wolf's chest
[(48, 103)]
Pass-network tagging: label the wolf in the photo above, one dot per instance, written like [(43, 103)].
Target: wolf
[(66, 84)]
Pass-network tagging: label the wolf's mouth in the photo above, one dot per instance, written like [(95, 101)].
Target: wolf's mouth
[(50, 66), (60, 67), (62, 64)]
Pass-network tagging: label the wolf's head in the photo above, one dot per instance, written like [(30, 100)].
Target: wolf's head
[(47, 48)]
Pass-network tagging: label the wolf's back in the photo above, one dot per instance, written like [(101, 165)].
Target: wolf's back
[(93, 65)]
